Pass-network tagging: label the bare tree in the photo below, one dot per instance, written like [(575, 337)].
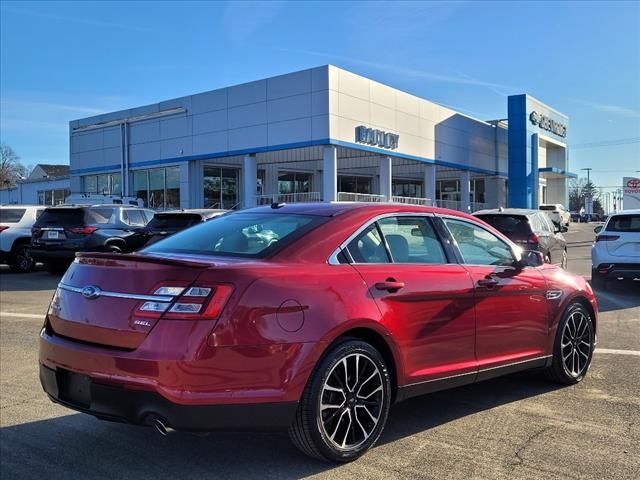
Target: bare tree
[(11, 170)]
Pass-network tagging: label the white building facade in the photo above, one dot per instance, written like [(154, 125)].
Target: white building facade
[(323, 134)]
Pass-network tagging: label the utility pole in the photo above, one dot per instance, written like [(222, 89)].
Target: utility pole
[(589, 201)]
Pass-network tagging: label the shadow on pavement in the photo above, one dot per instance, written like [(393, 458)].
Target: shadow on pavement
[(79, 446), (618, 296)]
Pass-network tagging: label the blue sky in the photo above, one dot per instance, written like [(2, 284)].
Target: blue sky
[(67, 60)]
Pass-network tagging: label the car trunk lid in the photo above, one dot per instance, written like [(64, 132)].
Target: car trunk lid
[(99, 297)]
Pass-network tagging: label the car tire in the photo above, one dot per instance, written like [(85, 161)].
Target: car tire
[(21, 260), (113, 248), (573, 347), (56, 268), (345, 404)]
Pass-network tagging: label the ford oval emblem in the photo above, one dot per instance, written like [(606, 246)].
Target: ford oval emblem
[(90, 292)]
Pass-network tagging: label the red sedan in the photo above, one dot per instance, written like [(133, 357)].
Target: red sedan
[(311, 317)]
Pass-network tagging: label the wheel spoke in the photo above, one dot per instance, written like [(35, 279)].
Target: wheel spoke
[(333, 435), (366, 397), (328, 406), (346, 433), (369, 413), (365, 382)]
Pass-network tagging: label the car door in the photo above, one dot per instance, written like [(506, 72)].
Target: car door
[(553, 238), (511, 311), (425, 297)]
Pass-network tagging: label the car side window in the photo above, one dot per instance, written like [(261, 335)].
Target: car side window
[(368, 247), (546, 223), (134, 218), (412, 240), (477, 245), (536, 223)]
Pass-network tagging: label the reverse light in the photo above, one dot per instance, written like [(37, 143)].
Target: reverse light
[(83, 230), (154, 307), (171, 291), (186, 307), (198, 292), (607, 238)]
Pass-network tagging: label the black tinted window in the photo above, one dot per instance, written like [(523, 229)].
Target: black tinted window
[(624, 223), (240, 234), (11, 215), (179, 220), (516, 225), (61, 216)]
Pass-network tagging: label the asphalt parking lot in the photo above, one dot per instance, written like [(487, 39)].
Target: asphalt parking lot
[(513, 427)]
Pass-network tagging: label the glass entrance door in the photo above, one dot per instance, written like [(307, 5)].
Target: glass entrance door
[(220, 187)]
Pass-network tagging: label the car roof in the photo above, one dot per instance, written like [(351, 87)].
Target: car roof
[(635, 211), (332, 209), (507, 211), (194, 211)]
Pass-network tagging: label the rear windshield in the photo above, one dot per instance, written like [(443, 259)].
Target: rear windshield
[(11, 215), (176, 220), (547, 207), (508, 224), (77, 216), (239, 235), (624, 223)]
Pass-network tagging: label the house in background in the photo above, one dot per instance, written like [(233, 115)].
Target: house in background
[(47, 184)]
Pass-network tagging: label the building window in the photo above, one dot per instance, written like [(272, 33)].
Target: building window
[(448, 190), (407, 188), (220, 187), (477, 190), (53, 197), (294, 182), (158, 188), (354, 184), (103, 184)]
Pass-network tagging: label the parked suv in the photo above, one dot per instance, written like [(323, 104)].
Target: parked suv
[(164, 224), (557, 213), (531, 229), (15, 235), (615, 254), (62, 231)]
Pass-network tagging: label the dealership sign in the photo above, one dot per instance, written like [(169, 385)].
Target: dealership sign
[(378, 138), (548, 124), (631, 193)]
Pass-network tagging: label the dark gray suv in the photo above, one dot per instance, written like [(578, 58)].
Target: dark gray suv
[(62, 231)]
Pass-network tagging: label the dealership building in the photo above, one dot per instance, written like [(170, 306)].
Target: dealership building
[(323, 134)]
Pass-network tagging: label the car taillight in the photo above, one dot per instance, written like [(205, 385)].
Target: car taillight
[(2, 228), (83, 230), (533, 239), (607, 238), (188, 303)]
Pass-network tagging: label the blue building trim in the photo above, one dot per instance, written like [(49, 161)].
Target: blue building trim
[(286, 146)]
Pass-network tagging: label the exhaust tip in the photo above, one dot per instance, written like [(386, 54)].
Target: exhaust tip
[(160, 426)]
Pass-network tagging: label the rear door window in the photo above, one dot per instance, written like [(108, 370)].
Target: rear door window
[(11, 215), (624, 223), (133, 217), (412, 240), (101, 215), (368, 246)]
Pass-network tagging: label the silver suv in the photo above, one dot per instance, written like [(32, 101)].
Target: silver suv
[(15, 235)]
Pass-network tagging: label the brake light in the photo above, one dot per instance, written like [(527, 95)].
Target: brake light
[(533, 239), (607, 238), (83, 230), (187, 303), (2, 228)]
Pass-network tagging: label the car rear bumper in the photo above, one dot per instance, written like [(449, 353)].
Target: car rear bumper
[(117, 403), (40, 254), (624, 271), (174, 377)]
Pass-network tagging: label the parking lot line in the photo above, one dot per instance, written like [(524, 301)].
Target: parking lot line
[(613, 351), (22, 315)]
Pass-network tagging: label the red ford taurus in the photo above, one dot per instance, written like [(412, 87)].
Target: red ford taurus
[(311, 317)]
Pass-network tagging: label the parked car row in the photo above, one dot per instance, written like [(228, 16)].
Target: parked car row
[(53, 235)]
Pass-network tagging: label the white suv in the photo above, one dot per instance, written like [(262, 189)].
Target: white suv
[(15, 235), (615, 254), (557, 213)]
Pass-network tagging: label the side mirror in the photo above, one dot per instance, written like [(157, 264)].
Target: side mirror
[(598, 229), (530, 258)]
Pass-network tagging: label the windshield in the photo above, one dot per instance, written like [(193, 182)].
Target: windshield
[(239, 234), (624, 223), (11, 215)]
